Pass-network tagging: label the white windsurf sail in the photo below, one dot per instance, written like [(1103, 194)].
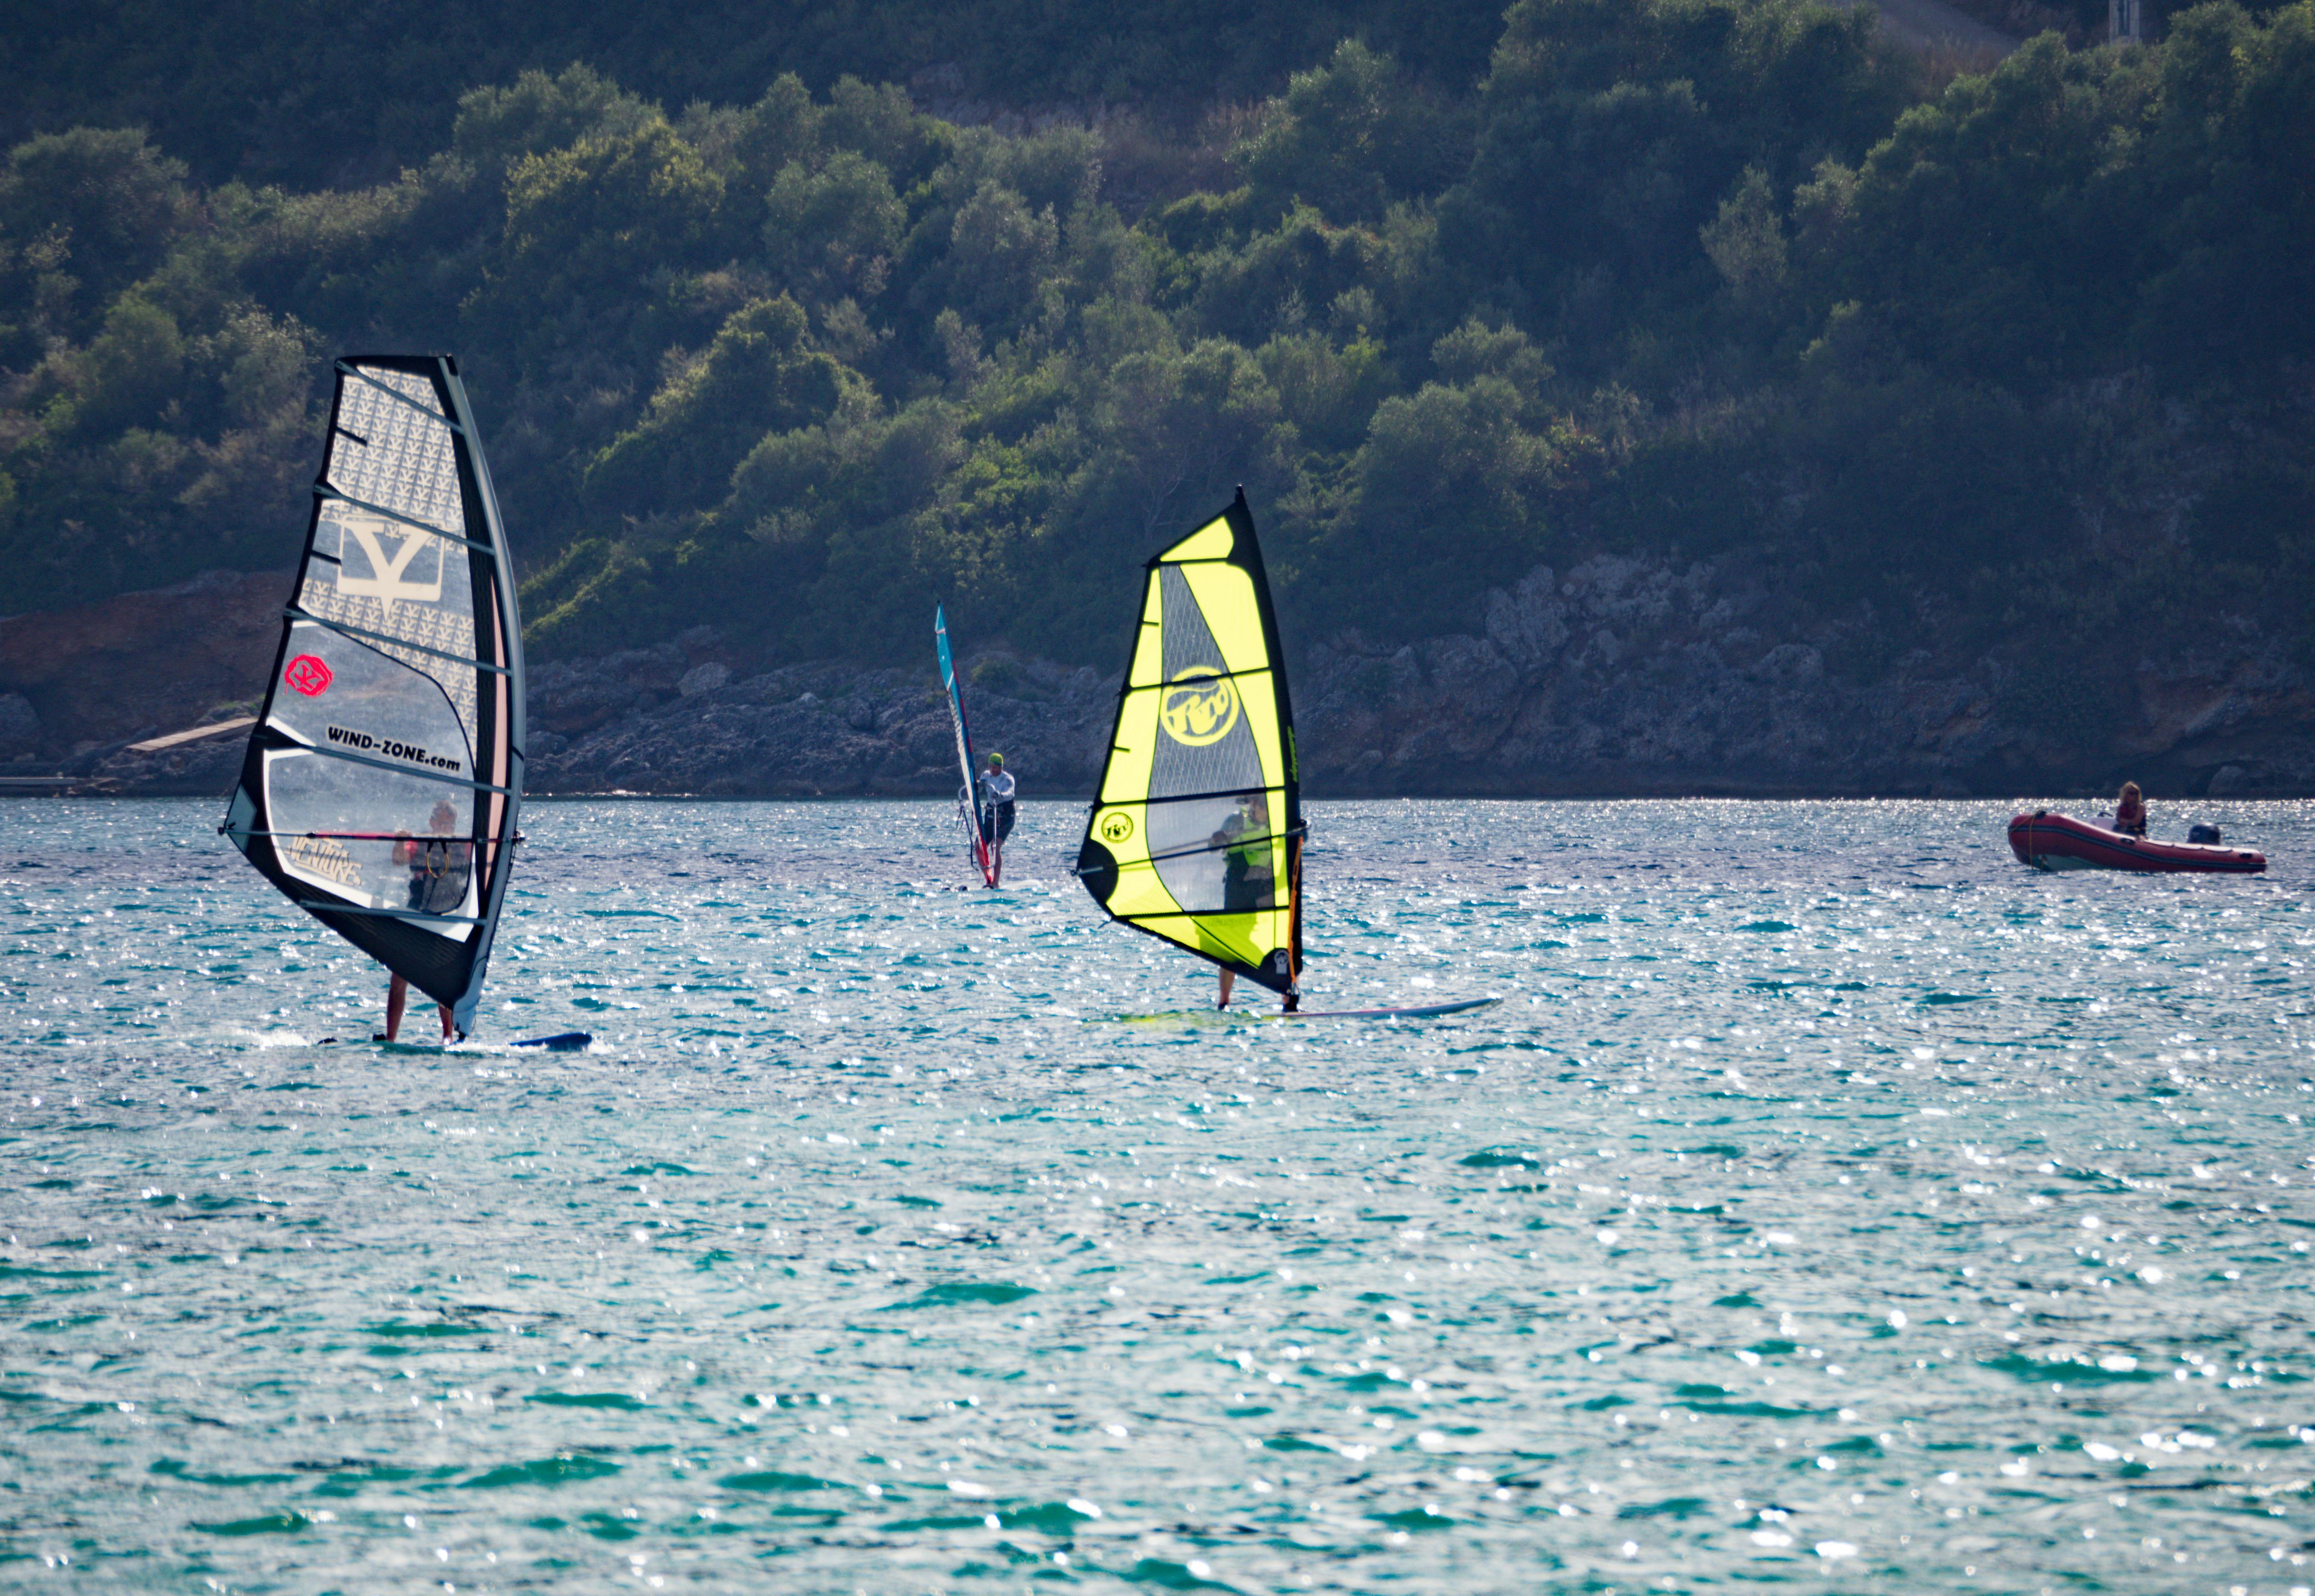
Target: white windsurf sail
[(383, 776)]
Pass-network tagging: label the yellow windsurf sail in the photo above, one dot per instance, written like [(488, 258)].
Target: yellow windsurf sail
[(1196, 837)]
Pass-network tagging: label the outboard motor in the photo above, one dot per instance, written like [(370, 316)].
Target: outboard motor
[(2204, 834)]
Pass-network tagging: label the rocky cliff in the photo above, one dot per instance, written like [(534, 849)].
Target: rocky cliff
[(77, 685), (1613, 676), (1616, 677), (681, 717), (1622, 676)]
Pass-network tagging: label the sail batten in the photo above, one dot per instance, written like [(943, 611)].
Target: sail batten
[(383, 777), (359, 375), (291, 612), (1196, 837), (322, 493), (398, 914), (331, 753)]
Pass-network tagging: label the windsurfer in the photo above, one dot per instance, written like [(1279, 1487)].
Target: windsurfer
[(437, 867), (1248, 880), (996, 789)]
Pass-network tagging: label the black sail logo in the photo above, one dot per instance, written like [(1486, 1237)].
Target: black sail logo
[(388, 748)]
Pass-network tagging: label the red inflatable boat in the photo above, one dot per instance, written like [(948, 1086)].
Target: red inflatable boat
[(2049, 841)]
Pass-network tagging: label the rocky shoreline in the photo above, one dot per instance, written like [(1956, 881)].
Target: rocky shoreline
[(1613, 678)]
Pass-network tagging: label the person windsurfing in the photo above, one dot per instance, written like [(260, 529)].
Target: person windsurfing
[(1248, 881), (997, 790), (438, 867), (400, 663)]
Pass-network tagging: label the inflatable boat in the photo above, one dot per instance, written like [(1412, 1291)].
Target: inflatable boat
[(2050, 841)]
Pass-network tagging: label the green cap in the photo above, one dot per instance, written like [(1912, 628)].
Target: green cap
[(997, 758)]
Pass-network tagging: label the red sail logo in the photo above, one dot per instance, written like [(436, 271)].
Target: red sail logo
[(308, 675)]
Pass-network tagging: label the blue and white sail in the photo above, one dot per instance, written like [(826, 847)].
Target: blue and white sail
[(383, 777), (967, 804)]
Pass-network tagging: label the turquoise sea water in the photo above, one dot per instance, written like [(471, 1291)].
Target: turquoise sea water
[(1832, 1204)]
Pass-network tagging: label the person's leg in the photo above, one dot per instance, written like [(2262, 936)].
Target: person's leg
[(450, 1030), (1229, 979), (397, 995)]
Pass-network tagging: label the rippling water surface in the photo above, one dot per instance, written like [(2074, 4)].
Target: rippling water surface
[(1831, 1202)]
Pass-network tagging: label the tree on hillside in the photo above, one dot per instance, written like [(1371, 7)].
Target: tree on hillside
[(1693, 277)]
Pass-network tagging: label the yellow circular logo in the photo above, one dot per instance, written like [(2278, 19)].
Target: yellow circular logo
[(1115, 827), (1200, 707)]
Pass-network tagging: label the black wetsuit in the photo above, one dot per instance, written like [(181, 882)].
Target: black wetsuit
[(438, 873), (1247, 878)]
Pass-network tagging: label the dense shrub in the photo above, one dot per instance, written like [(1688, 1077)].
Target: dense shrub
[(1691, 276)]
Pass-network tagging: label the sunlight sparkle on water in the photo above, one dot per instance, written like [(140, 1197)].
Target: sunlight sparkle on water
[(1831, 1201)]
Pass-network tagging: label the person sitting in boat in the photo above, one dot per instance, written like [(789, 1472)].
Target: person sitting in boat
[(997, 791), (439, 865), (1248, 879), (2130, 811)]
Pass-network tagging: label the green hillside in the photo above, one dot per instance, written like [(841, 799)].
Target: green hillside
[(2027, 354)]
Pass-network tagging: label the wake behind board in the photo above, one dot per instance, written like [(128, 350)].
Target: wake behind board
[(1429, 1011)]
